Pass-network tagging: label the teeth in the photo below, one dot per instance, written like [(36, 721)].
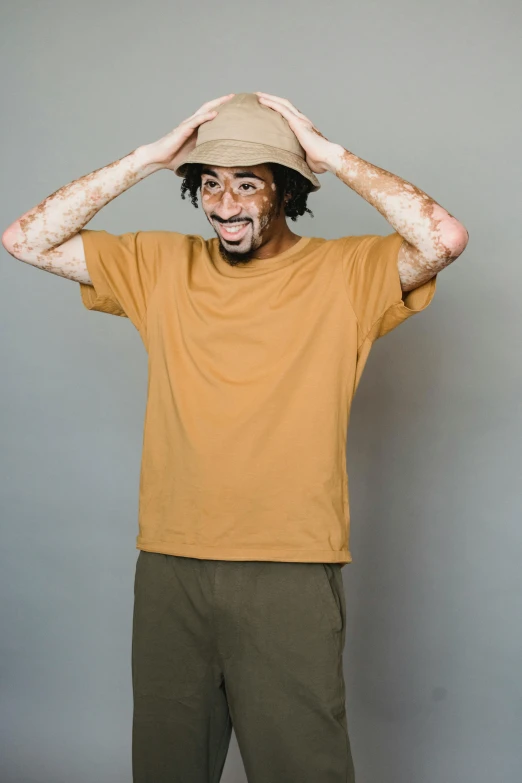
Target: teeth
[(235, 229)]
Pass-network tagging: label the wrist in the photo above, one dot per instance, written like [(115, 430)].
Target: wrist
[(334, 157), (144, 157)]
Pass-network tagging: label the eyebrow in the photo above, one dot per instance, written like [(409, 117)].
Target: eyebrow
[(238, 175)]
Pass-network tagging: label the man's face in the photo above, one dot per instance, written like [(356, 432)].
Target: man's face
[(245, 199)]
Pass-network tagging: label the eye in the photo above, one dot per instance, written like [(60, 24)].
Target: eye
[(209, 183)]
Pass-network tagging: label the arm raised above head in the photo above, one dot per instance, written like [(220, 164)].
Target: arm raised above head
[(48, 237)]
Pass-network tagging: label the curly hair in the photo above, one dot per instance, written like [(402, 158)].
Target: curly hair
[(287, 181)]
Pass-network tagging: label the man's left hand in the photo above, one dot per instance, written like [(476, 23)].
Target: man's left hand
[(318, 150)]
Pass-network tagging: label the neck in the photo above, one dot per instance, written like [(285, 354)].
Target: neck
[(278, 243)]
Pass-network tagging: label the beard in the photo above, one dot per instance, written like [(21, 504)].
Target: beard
[(234, 257)]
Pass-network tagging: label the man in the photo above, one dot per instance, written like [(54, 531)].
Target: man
[(257, 339)]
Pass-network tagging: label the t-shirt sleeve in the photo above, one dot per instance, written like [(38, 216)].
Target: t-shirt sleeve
[(124, 270), (374, 288)]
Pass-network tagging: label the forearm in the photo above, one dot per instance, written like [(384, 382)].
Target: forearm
[(65, 212), (412, 213)]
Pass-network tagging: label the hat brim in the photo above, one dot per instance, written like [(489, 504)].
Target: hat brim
[(225, 152)]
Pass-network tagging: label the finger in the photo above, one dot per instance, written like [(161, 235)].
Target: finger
[(288, 113), (275, 106), (268, 95), (216, 102), (198, 118), (276, 99), (282, 102)]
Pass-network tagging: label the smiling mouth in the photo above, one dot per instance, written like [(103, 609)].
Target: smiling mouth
[(233, 233)]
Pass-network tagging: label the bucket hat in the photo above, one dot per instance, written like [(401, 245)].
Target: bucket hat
[(246, 133)]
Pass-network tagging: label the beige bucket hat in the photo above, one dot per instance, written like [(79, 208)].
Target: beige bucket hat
[(246, 133)]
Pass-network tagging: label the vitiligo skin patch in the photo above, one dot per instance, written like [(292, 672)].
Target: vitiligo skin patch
[(38, 234), (434, 238), (249, 199)]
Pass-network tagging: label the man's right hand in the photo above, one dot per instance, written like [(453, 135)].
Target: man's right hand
[(170, 151)]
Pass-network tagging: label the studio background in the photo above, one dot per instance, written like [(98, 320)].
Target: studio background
[(434, 636)]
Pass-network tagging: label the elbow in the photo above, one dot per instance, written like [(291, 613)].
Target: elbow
[(457, 241), (10, 238)]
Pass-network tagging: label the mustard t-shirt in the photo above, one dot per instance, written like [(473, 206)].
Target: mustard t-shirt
[(252, 371)]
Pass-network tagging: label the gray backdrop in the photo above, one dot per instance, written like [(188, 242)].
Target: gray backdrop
[(434, 639)]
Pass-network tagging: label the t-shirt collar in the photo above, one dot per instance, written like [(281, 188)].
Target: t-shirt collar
[(257, 266)]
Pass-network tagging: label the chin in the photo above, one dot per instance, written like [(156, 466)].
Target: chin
[(235, 256)]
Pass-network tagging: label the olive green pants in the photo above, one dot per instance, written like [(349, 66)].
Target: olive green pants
[(253, 645)]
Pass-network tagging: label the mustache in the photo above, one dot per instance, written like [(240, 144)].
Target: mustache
[(231, 222)]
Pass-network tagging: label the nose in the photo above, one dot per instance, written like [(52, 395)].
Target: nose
[(228, 207)]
